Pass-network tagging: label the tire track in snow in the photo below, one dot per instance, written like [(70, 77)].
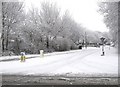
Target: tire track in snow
[(70, 58), (61, 63), (45, 64)]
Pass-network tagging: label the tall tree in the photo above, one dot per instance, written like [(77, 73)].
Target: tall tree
[(110, 12), (50, 16), (11, 12)]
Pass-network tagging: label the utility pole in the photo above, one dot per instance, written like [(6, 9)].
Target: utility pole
[(85, 40)]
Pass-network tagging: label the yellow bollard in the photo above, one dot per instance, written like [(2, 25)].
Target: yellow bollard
[(22, 57), (41, 53)]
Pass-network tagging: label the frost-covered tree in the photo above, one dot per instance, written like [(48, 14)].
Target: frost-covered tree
[(110, 12), (12, 15)]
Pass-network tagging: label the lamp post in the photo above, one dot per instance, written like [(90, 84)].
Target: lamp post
[(103, 51)]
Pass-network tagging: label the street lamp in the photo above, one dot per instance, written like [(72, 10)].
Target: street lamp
[(102, 40)]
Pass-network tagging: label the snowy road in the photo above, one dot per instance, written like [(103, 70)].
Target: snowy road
[(86, 61)]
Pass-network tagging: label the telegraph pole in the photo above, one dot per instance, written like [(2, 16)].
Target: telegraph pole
[(85, 40)]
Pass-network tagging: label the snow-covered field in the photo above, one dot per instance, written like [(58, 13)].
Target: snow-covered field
[(87, 61)]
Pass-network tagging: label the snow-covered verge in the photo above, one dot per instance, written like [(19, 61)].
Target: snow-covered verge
[(73, 63), (8, 58)]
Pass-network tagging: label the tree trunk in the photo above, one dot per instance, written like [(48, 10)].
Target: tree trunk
[(7, 41), (3, 46), (47, 42), (0, 28), (17, 46)]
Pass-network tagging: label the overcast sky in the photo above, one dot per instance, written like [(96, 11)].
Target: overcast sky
[(83, 11)]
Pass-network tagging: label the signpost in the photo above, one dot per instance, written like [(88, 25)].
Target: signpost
[(103, 51)]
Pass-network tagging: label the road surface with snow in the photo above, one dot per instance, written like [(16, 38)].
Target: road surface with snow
[(87, 61), (77, 67)]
